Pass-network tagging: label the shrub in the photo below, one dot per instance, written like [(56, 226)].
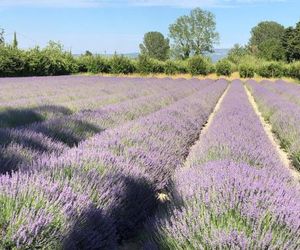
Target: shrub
[(36, 62), (223, 68), (171, 68), (294, 70), (286, 69), (199, 65), (237, 54), (211, 68), (121, 65), (12, 61), (246, 70), (182, 66), (59, 62), (146, 65), (49, 61), (271, 70), (93, 64)]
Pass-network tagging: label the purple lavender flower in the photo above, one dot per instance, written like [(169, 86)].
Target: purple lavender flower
[(284, 116), (122, 169), (234, 192)]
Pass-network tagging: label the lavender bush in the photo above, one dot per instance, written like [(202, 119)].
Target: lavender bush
[(38, 213), (65, 98), (289, 91), (283, 115), (122, 169), (23, 145), (229, 205), (234, 192)]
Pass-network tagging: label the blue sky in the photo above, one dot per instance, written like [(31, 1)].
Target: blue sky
[(119, 25)]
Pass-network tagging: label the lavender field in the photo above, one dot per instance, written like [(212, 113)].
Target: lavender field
[(91, 162)]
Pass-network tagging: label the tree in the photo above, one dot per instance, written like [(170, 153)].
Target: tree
[(15, 41), (271, 49), (194, 34), (291, 43), (237, 53), (265, 40), (1, 36), (155, 46)]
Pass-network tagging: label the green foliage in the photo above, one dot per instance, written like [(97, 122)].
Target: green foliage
[(93, 64), (146, 65), (271, 70), (265, 40), (15, 41), (121, 65), (199, 65), (155, 46), (182, 66), (237, 53), (246, 70), (271, 49), (61, 62), (294, 70), (286, 69), (171, 68), (36, 62), (291, 43), (12, 62), (223, 68), (265, 31), (194, 34)]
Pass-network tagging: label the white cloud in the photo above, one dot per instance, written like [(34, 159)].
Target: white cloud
[(103, 3)]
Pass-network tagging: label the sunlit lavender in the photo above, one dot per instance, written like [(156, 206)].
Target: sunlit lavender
[(134, 163), (234, 192), (283, 114)]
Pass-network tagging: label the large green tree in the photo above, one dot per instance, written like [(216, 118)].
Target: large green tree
[(265, 40), (291, 43), (194, 34), (155, 45)]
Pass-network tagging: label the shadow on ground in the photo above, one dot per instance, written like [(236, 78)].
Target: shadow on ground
[(11, 118), (22, 142), (122, 219)]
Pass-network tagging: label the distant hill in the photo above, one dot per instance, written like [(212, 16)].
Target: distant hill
[(215, 56), (218, 54)]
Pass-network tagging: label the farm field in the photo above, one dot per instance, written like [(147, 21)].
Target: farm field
[(91, 162)]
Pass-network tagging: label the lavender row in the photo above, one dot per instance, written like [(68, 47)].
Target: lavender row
[(283, 115), (69, 131), (127, 166), (21, 146), (58, 90), (234, 192), (62, 88), (84, 97), (111, 181), (289, 91)]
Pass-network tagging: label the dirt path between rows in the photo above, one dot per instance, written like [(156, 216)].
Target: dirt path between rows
[(268, 130)]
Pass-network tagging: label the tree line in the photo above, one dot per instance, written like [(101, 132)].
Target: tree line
[(272, 51), (271, 41)]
